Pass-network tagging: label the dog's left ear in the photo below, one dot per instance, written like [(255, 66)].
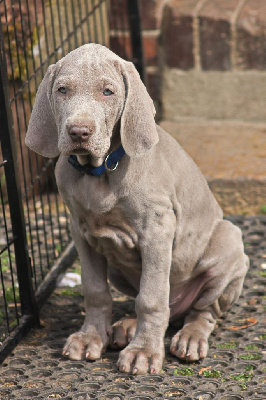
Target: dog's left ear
[(138, 128)]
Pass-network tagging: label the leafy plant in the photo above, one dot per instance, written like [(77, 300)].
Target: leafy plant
[(1, 317), (244, 377), (6, 259), (11, 293), (212, 373), (263, 209), (251, 347), (251, 356), (228, 345), (249, 367), (184, 371), (70, 292)]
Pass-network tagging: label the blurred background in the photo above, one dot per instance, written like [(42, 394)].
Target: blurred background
[(204, 65)]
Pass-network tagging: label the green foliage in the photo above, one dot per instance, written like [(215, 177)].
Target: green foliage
[(184, 371), (70, 292), (5, 261), (251, 356), (244, 376), (252, 347), (18, 46), (249, 367), (11, 294), (212, 373), (228, 345), (263, 209)]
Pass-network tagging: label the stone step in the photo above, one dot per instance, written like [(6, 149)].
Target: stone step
[(232, 156)]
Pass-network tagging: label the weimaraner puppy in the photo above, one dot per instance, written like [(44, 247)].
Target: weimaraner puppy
[(142, 214)]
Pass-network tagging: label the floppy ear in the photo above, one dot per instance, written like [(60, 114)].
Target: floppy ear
[(42, 136), (138, 128)]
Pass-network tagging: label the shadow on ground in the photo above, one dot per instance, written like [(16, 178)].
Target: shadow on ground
[(234, 369)]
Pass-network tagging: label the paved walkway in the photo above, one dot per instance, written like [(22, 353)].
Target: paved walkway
[(232, 156), (234, 369)]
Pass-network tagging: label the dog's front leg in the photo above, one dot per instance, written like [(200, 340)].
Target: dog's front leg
[(93, 337), (145, 352)]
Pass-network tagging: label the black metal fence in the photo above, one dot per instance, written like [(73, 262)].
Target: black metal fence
[(35, 242)]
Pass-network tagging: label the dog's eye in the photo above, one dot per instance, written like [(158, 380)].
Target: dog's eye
[(107, 92), (62, 89)]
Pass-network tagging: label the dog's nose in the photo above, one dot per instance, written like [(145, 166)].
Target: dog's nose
[(80, 133)]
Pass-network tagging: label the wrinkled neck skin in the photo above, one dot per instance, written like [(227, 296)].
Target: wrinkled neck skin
[(97, 161)]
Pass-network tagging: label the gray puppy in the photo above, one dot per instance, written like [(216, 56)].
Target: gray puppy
[(142, 214)]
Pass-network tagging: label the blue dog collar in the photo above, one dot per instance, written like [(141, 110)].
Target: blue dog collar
[(110, 163)]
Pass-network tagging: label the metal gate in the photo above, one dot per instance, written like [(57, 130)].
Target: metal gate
[(35, 242)]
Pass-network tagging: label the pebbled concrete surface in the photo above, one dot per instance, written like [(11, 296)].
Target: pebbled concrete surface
[(235, 368)]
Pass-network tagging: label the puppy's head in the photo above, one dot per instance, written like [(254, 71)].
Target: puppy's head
[(83, 98)]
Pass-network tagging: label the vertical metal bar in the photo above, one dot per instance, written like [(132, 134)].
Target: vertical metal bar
[(27, 297), (135, 36), (80, 19), (88, 21), (67, 26), (104, 6), (38, 35), (10, 263), (4, 297), (53, 29), (19, 124), (102, 23), (45, 30), (96, 38), (60, 26), (74, 30)]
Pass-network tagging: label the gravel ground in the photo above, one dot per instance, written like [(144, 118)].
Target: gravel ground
[(234, 369)]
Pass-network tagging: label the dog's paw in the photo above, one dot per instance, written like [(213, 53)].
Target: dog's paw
[(123, 332), (81, 345), (140, 360), (188, 345)]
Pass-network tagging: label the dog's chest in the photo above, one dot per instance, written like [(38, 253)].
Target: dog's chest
[(112, 235), (102, 221)]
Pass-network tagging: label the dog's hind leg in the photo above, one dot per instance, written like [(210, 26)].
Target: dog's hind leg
[(226, 266)]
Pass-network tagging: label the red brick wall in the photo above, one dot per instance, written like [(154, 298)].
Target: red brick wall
[(215, 34), (151, 15), (208, 35)]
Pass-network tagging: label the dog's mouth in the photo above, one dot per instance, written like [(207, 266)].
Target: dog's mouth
[(82, 149), (92, 148), (89, 151), (81, 152)]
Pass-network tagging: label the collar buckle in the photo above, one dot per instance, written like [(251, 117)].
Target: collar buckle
[(106, 165)]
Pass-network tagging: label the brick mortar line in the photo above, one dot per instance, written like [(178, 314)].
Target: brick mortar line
[(147, 32), (233, 44), (151, 32), (152, 69), (196, 34), (119, 32)]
